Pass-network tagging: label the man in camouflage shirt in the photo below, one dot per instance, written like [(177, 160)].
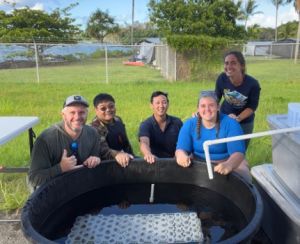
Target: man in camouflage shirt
[(111, 129)]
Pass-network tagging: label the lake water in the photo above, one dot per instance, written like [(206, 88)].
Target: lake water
[(13, 51)]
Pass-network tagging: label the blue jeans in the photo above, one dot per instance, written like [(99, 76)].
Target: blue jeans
[(247, 129)]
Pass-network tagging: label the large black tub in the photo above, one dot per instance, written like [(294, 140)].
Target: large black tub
[(50, 206)]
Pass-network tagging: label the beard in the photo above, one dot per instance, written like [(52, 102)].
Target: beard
[(74, 129)]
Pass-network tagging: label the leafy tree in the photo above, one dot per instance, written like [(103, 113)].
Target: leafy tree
[(28, 25), (199, 29), (254, 32), (100, 24), (288, 30), (248, 10), (141, 31), (196, 17), (266, 34)]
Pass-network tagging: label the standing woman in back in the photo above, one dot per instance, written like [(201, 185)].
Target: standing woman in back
[(239, 90)]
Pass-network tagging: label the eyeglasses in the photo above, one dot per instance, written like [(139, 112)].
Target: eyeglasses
[(109, 107)]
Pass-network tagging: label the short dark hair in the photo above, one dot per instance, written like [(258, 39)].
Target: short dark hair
[(159, 93), (103, 97), (240, 57)]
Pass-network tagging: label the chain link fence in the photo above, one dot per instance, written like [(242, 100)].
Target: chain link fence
[(284, 50), (193, 66), (95, 62)]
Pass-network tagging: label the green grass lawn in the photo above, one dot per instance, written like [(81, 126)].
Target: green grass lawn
[(82, 73), (131, 87)]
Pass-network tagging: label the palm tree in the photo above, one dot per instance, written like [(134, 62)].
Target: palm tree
[(132, 22), (248, 10), (297, 7), (277, 3)]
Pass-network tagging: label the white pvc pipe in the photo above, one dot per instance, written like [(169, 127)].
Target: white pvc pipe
[(207, 143), (151, 199)]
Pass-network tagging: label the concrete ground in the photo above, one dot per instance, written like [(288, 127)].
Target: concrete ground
[(10, 232)]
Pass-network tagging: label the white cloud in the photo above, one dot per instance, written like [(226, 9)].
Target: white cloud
[(265, 20), (38, 6), (33, 4), (262, 20), (289, 15)]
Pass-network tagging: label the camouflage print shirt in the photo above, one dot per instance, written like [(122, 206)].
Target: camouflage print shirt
[(113, 136)]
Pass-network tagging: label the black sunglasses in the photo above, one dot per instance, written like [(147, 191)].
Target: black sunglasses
[(109, 107)]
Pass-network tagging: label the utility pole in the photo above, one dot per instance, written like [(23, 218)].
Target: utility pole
[(132, 22), (298, 32), (277, 6)]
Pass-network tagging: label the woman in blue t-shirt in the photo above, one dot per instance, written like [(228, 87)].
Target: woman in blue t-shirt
[(210, 124)]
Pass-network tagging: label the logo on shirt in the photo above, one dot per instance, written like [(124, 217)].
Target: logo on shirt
[(235, 98)]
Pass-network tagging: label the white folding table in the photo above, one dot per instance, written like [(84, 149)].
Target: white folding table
[(11, 127)]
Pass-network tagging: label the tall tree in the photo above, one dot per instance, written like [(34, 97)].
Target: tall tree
[(254, 32), (247, 10), (207, 17), (297, 7), (288, 30), (266, 34), (100, 24), (27, 25), (277, 4), (141, 31)]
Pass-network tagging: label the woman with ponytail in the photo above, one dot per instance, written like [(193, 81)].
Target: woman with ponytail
[(240, 91), (210, 124)]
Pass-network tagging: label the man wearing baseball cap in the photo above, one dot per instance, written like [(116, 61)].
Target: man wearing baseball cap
[(65, 146)]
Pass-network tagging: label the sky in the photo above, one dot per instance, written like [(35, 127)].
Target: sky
[(121, 10)]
